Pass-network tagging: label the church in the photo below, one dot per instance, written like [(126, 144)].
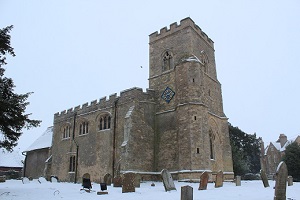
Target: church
[(177, 124)]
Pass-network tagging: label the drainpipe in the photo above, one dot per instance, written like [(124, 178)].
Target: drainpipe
[(77, 147), (114, 137)]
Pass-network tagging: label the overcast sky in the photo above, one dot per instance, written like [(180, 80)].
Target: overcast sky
[(72, 52)]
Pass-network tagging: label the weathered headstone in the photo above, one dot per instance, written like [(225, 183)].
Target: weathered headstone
[(203, 181), (128, 183), (219, 179), (264, 178), (2, 179), (167, 180), (117, 181), (25, 180), (238, 180), (186, 193), (107, 179), (281, 178), (290, 180), (137, 181), (54, 179), (42, 180), (103, 188), (86, 181)]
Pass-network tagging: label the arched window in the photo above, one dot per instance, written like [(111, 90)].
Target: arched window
[(168, 62), (83, 128), (66, 132), (204, 60), (104, 122)]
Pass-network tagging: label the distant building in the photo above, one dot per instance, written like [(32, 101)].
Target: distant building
[(10, 164), (274, 152), (178, 124), (37, 161)]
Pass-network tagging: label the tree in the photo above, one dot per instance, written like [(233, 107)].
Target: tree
[(292, 160), (245, 151), (12, 106)]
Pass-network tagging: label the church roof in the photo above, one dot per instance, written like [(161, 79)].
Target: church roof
[(10, 159), (44, 141)]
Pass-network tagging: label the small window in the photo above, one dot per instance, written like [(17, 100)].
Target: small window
[(72, 164), (83, 128), (195, 118), (193, 80), (66, 132), (198, 150), (167, 61), (105, 122)]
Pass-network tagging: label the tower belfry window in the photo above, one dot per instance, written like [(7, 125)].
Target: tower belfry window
[(167, 61)]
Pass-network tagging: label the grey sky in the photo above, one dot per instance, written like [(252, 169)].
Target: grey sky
[(72, 52)]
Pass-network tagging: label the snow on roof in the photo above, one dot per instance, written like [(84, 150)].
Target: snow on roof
[(10, 159), (44, 141)]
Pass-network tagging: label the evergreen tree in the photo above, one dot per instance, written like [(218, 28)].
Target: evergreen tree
[(12, 106), (292, 160), (245, 151)]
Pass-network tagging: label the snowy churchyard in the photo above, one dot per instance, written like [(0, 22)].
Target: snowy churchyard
[(35, 190)]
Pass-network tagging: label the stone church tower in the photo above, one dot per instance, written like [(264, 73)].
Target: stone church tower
[(191, 129), (178, 124)]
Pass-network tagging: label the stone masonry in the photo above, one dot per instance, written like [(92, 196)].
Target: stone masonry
[(178, 124)]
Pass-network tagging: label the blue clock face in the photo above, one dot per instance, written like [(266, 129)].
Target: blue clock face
[(167, 94)]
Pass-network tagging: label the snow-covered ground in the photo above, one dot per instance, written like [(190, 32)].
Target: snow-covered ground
[(16, 190)]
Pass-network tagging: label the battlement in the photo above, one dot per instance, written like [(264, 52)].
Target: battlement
[(174, 27), (104, 102)]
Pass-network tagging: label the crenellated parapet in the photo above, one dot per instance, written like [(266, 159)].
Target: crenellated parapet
[(132, 94), (174, 27)]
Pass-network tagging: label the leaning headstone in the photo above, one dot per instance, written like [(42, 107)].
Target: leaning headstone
[(54, 179), (203, 181), (238, 180), (290, 180), (137, 181), (107, 179), (117, 181), (281, 178), (219, 179), (2, 179), (25, 180), (42, 180), (128, 183), (264, 178), (186, 193), (167, 180)]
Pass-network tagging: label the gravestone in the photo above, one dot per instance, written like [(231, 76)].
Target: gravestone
[(103, 188), (86, 181), (128, 183), (54, 179), (107, 179), (167, 180), (42, 180), (186, 193), (219, 179), (203, 181), (290, 180), (264, 178), (137, 181), (238, 180), (281, 178), (25, 180), (117, 181), (2, 179)]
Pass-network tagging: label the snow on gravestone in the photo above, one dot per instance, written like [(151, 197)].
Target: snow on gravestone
[(42, 180), (167, 180), (281, 181), (53, 179), (203, 181), (25, 180)]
